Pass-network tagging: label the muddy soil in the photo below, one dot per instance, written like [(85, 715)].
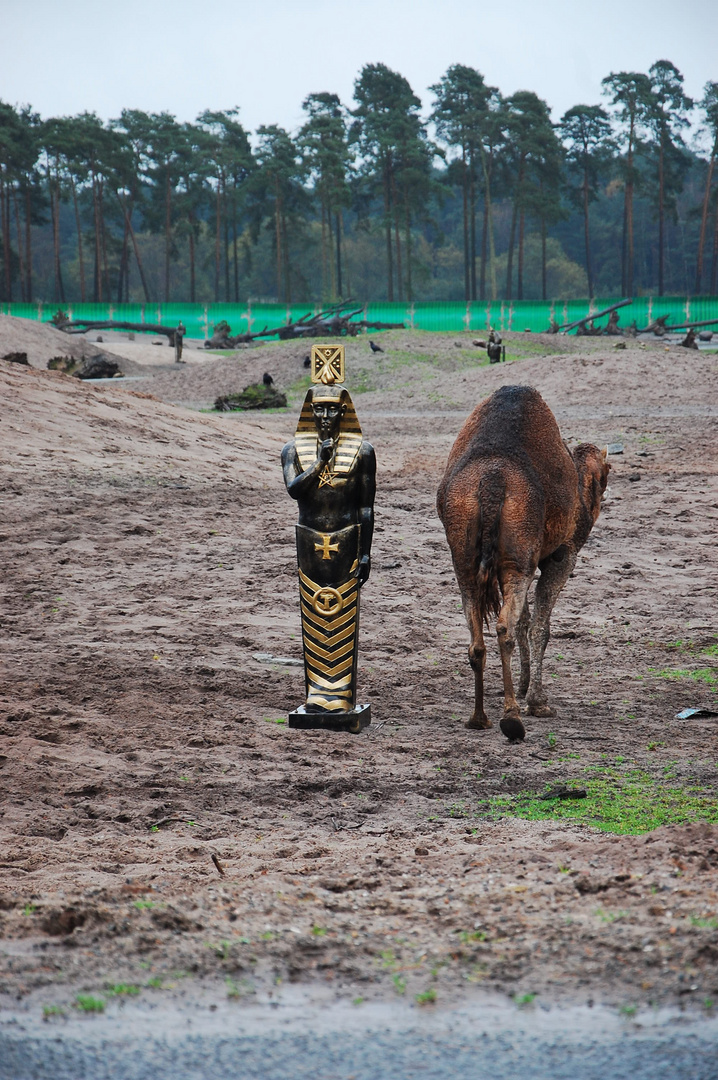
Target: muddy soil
[(151, 651)]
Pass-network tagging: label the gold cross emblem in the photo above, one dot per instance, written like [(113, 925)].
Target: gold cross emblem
[(326, 547)]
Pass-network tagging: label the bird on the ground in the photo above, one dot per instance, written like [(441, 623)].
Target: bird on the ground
[(375, 348), (307, 361), (267, 379)]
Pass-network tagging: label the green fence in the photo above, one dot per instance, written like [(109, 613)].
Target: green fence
[(453, 316)]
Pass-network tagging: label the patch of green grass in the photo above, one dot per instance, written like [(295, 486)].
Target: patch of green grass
[(358, 1001), (467, 936), (221, 948), (427, 998), (629, 1011), (155, 983), (319, 931), (122, 990), (610, 916), (142, 905), (236, 990), (704, 924), (275, 719), (48, 1011), (399, 984), (629, 801), (89, 1004), (29, 909), (524, 999), (709, 676)]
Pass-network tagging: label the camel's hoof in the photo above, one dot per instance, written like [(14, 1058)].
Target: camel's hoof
[(478, 723), (512, 728), (540, 710)]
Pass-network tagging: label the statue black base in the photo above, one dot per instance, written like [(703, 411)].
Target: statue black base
[(353, 721)]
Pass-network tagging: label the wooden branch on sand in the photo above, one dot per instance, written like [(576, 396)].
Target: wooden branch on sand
[(335, 321), (590, 318)]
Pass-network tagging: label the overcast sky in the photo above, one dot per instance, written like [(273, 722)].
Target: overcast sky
[(67, 56)]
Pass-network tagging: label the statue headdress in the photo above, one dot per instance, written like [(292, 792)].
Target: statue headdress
[(327, 374)]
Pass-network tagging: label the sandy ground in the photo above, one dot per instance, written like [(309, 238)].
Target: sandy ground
[(148, 561)]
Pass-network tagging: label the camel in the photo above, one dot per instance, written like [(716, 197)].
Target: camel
[(515, 499)]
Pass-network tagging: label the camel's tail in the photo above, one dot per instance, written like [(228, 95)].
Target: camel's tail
[(491, 501)]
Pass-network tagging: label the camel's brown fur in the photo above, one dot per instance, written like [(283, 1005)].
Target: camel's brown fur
[(515, 499)]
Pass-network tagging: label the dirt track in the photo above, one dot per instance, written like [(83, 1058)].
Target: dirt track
[(148, 558)]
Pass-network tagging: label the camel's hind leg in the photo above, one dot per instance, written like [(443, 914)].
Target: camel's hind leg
[(514, 587), (522, 640), (477, 659), (555, 572)]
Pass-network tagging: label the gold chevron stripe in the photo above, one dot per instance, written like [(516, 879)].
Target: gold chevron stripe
[(332, 671), (345, 591), (329, 641), (317, 680), (334, 665), (314, 586), (326, 628), (330, 654), (332, 706)]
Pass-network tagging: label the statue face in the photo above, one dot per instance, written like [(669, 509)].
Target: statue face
[(328, 418)]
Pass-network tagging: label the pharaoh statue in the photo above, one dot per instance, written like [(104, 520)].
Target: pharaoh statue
[(330, 470)]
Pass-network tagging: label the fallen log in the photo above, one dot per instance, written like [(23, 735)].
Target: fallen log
[(596, 315), (681, 326), (335, 321)]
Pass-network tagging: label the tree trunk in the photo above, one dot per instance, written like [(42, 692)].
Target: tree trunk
[(4, 222), (660, 217), (387, 229), (465, 197), (484, 229), (397, 240), (278, 238), (226, 240), (285, 246), (55, 237), (168, 234), (587, 239), (543, 258), (704, 221), (28, 242), (135, 248), (234, 244), (339, 254), (472, 229), (628, 210), (80, 255), (61, 284), (217, 243), (191, 262), (510, 257), (331, 248), (489, 221), (124, 263), (520, 274), (409, 295), (325, 267), (103, 236), (714, 267), (98, 252), (21, 261)]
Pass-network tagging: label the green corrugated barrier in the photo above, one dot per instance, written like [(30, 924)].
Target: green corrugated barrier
[(452, 316)]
